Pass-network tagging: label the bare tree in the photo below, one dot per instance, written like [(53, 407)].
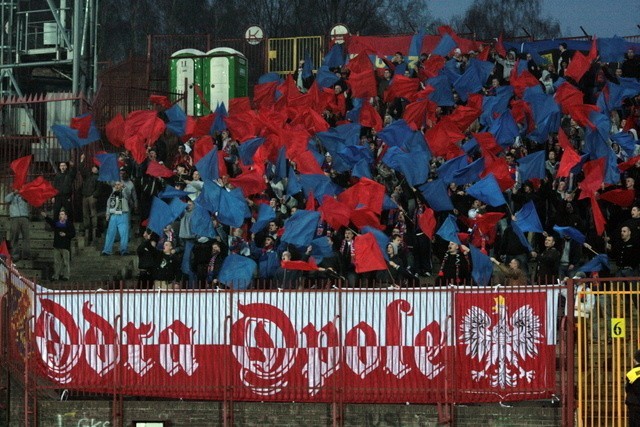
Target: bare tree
[(490, 18)]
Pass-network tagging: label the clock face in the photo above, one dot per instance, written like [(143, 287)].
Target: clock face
[(338, 33), (254, 35)]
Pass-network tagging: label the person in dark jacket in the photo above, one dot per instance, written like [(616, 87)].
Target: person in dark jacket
[(167, 269), (63, 232), (548, 262), (215, 263), (632, 388), (147, 259), (63, 182), (91, 191)]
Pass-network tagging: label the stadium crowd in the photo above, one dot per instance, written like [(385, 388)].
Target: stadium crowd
[(471, 167)]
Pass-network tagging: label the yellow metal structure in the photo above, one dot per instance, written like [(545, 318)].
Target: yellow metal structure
[(285, 53), (607, 335)]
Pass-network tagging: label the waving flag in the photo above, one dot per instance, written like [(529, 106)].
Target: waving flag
[(482, 267), (367, 254), (237, 271), (37, 192), (233, 208), (335, 213), (527, 218), (20, 168), (449, 230), (597, 263), (266, 214), (300, 228), (532, 166), (436, 196), (488, 191), (161, 215), (69, 138), (570, 232), (109, 169), (427, 222), (208, 165)]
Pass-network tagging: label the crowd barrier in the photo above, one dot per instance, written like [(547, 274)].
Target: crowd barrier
[(445, 345)]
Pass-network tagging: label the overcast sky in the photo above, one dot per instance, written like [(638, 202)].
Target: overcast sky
[(600, 17)]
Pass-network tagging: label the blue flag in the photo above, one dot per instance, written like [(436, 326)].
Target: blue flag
[(415, 47), (436, 195), (325, 77), (611, 49), (320, 185), (177, 119), (470, 173), (521, 237), (172, 192), (321, 248), (570, 232), (482, 267), (396, 133), (532, 166), (247, 149), (177, 207), (388, 203), (300, 228), (266, 214), (448, 169), (209, 198), (597, 263), (334, 58), (443, 96), (160, 216), (505, 129), (449, 230), (237, 271), (488, 191), (69, 138), (281, 163), (208, 165), (269, 78), (109, 170), (362, 169), (293, 183), (527, 218), (201, 224), (233, 208), (445, 45), (414, 166)]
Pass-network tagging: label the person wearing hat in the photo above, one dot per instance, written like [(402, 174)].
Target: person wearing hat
[(632, 389), (63, 233)]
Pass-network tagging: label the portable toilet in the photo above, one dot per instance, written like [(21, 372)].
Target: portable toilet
[(226, 73), (184, 75)]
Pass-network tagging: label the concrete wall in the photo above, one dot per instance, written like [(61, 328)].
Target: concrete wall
[(188, 413)]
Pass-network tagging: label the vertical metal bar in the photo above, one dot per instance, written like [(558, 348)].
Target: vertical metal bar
[(569, 399)]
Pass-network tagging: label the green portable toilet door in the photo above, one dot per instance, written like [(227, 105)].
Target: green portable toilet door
[(185, 79), (219, 81)]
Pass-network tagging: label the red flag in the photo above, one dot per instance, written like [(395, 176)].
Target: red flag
[(250, 181), (620, 197), (368, 256), (427, 222), (487, 143), (38, 191), (570, 157), (402, 87), (364, 216), (264, 95), (500, 169), (442, 139), (158, 170), (463, 117), (160, 100), (362, 79), (598, 218), (334, 212), (568, 95), (593, 177), (201, 147), (306, 163), (244, 125), (580, 63), (580, 113), (366, 192), (432, 66), (629, 163), (487, 222), (522, 113), (300, 265), (415, 114), (202, 125), (20, 168), (311, 202), (4, 251), (239, 105), (142, 128), (369, 117), (115, 130), (521, 82), (500, 47), (82, 124)]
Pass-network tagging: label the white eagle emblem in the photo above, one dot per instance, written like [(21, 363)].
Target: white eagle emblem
[(502, 346)]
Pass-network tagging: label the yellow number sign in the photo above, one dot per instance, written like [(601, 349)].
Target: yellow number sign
[(618, 327)]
